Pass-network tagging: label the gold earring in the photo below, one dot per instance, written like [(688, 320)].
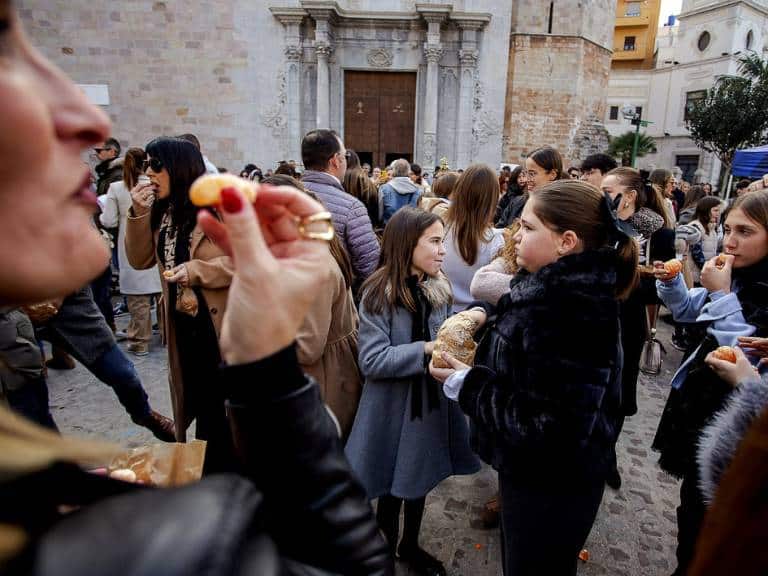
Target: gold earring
[(626, 204)]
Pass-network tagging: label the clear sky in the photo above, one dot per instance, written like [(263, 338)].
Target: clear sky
[(669, 7)]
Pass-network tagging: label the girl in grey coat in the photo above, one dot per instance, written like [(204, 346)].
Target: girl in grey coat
[(406, 437)]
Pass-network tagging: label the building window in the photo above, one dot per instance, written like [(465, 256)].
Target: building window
[(691, 98), (629, 43), (632, 9), (750, 40), (703, 41), (614, 113)]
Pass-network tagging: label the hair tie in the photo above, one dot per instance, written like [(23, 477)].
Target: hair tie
[(618, 230)]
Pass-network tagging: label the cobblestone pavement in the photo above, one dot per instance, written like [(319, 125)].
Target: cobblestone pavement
[(635, 529)]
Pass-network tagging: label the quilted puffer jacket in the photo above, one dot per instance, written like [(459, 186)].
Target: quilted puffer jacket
[(350, 219)]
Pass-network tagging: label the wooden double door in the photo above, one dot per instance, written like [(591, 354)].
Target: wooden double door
[(380, 115)]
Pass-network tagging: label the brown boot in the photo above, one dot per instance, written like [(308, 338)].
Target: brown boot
[(60, 360), (161, 426), (490, 514)]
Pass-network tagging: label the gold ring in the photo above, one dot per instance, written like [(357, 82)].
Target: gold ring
[(318, 226)]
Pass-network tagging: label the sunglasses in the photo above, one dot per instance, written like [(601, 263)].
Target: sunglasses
[(154, 163)]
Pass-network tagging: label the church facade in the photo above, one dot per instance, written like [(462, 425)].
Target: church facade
[(465, 80)]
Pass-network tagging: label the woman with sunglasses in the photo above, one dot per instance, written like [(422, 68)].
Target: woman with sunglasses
[(162, 229)]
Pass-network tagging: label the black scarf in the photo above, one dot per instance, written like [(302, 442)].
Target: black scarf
[(420, 331)]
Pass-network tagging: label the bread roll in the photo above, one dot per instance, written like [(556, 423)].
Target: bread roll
[(206, 190), (455, 339)]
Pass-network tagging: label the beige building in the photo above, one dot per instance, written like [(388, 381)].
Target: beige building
[(704, 46), (469, 80)]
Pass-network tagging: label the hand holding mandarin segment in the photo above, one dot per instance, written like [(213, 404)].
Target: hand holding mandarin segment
[(274, 266), (661, 272), (717, 278), (177, 274), (143, 195), (732, 372)]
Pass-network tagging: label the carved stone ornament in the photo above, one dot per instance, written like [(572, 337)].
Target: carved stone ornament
[(433, 53), (468, 57), (430, 149), (323, 49), (275, 117), (293, 53), (380, 58)]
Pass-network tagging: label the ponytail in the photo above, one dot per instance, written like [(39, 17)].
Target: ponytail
[(580, 207), (627, 274)]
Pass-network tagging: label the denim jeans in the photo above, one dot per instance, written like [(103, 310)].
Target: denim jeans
[(80, 329)]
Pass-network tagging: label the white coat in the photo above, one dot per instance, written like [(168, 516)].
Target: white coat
[(115, 213)]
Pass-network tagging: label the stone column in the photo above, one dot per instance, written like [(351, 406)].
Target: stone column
[(291, 19), (323, 51), (293, 97), (324, 16), (468, 60), (433, 51), (469, 25)]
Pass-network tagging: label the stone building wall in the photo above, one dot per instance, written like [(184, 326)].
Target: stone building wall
[(210, 68), (557, 81)]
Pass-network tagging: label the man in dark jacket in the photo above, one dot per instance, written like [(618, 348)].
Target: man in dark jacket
[(325, 163), (110, 166)]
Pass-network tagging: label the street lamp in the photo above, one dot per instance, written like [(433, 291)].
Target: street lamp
[(630, 113)]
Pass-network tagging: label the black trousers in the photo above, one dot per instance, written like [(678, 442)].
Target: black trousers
[(690, 516), (544, 527)]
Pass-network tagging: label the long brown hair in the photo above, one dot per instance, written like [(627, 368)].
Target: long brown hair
[(442, 186), (695, 194), (704, 209), (357, 184), (386, 288), (132, 166), (473, 205), (508, 252), (659, 178), (578, 206), (647, 195), (549, 159), (755, 206), (335, 246)]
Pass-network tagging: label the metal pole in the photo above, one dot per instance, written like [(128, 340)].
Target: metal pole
[(634, 145)]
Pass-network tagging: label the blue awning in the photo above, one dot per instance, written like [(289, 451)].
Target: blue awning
[(751, 163)]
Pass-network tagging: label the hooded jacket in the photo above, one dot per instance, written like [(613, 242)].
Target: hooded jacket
[(395, 194)]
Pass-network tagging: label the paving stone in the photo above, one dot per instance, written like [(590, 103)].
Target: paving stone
[(634, 533)]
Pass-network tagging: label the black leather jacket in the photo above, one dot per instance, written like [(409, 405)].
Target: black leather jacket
[(298, 502)]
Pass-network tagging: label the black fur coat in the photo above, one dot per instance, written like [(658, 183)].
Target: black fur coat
[(545, 393)]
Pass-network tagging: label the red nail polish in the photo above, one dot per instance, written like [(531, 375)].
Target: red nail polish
[(230, 201)]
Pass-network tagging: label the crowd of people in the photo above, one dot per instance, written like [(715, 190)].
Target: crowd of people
[(312, 367)]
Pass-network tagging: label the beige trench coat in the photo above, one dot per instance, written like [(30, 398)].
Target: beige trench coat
[(208, 268), (327, 347)]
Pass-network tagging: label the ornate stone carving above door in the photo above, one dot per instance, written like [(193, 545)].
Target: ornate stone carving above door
[(380, 58)]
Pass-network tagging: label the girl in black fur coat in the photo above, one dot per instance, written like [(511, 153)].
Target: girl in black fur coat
[(546, 389)]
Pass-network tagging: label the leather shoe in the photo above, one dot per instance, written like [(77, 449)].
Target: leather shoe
[(161, 426)]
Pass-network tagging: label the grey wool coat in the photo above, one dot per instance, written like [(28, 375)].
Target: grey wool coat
[(389, 451)]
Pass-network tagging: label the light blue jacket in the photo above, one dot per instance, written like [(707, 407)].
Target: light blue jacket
[(722, 310)]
